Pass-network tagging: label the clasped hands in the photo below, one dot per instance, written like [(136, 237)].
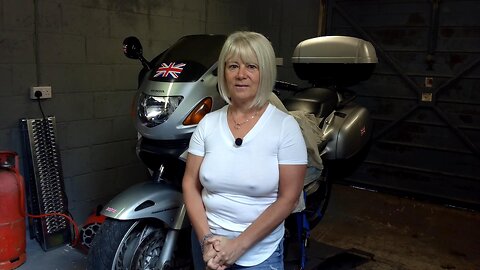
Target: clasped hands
[(220, 252)]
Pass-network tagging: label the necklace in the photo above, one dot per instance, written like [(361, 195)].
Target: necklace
[(239, 125)]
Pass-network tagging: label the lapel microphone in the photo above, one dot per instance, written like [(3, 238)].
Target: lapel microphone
[(238, 141)]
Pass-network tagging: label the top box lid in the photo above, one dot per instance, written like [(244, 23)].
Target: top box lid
[(334, 49)]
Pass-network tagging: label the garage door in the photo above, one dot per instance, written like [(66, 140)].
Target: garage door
[(424, 96)]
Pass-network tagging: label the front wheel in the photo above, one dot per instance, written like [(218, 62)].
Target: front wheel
[(133, 244)]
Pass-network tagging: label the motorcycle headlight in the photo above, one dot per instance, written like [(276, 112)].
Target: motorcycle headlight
[(153, 110)]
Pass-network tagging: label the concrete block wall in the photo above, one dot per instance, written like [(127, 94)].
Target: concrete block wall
[(75, 47)]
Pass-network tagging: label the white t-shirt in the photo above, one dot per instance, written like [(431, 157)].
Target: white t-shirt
[(240, 182)]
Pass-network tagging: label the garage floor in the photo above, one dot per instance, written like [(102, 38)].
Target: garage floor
[(401, 233), (361, 230)]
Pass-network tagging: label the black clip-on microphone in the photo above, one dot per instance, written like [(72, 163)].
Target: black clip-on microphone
[(238, 141)]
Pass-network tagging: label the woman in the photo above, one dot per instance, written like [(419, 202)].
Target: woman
[(246, 163)]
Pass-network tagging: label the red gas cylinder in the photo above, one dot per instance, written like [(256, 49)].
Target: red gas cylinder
[(12, 212)]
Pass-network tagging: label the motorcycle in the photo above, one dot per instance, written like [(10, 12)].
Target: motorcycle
[(146, 226)]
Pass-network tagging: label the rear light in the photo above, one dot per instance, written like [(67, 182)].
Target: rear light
[(202, 108)]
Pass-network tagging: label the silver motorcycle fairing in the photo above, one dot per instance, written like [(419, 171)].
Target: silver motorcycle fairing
[(193, 93), (158, 200)]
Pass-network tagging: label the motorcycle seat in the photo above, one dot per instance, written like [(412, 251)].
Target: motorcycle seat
[(317, 101)]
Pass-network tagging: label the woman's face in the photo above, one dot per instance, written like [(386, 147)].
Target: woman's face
[(242, 79)]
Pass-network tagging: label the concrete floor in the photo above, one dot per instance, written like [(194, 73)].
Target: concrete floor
[(61, 258), (401, 233), (361, 230)]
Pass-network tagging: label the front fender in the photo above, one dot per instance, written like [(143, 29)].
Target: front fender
[(149, 200)]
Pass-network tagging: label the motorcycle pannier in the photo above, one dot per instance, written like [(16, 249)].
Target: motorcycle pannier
[(331, 63)]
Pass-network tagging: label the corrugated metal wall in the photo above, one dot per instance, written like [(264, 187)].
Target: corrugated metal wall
[(424, 95)]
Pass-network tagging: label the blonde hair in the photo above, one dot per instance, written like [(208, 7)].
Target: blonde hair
[(251, 47)]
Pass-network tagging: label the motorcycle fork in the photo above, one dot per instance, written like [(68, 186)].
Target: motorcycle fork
[(171, 238)]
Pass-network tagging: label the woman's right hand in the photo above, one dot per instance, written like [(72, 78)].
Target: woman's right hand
[(210, 257), (227, 252), (208, 252)]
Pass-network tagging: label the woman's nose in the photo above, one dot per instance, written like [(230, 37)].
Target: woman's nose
[(241, 72)]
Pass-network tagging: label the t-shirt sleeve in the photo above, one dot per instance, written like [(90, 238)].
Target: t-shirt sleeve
[(197, 141), (292, 150)]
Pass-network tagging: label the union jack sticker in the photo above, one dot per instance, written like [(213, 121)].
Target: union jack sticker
[(169, 70)]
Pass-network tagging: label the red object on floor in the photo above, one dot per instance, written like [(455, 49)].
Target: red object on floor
[(12, 212), (90, 228)]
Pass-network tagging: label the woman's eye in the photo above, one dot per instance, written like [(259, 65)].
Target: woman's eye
[(252, 66), (232, 66)]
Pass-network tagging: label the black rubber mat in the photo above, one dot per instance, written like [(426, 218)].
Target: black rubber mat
[(325, 257)]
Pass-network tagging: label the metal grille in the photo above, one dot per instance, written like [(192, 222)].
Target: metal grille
[(45, 187)]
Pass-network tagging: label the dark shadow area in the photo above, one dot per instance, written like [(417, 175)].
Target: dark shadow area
[(326, 257)]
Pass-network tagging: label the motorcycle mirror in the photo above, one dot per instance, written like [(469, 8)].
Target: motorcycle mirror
[(132, 48)]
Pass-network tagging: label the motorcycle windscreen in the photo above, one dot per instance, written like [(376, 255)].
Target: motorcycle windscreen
[(188, 59)]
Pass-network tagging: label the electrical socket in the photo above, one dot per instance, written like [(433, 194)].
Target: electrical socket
[(45, 91)]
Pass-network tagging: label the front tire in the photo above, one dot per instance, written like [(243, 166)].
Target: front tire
[(132, 244)]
